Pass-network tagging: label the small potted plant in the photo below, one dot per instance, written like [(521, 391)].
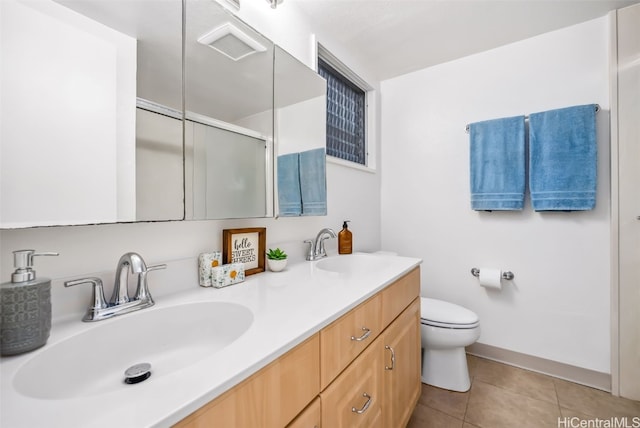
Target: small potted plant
[(276, 259)]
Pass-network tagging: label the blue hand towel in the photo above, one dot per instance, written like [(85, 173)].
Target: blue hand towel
[(563, 158), (289, 196), (497, 164), (313, 182)]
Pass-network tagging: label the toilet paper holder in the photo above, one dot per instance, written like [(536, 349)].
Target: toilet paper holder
[(505, 275)]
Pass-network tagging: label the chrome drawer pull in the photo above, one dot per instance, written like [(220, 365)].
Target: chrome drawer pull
[(366, 334), (393, 358), (365, 407)]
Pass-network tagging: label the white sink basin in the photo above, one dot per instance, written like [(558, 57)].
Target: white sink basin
[(170, 339), (351, 263)]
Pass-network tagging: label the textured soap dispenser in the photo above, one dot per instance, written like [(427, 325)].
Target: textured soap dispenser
[(25, 307)]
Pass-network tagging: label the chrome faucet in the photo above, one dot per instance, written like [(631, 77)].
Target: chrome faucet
[(316, 247), (120, 302), (128, 261)]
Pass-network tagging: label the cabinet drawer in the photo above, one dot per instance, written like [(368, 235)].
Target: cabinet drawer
[(347, 337), (399, 295), (344, 403), (309, 418)]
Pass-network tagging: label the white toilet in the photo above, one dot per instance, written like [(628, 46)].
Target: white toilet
[(446, 329)]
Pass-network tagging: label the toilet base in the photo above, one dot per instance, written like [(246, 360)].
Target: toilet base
[(446, 368)]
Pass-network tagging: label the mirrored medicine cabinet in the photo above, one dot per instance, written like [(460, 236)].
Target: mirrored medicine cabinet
[(111, 115), (299, 96)]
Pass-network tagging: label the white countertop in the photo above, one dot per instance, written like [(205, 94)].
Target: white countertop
[(288, 307)]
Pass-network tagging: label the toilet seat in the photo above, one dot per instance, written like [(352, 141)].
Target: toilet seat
[(447, 325), (438, 313)]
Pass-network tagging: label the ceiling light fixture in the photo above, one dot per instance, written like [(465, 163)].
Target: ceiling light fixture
[(274, 3)]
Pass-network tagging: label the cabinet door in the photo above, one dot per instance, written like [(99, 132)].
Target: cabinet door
[(309, 417), (402, 386), (354, 399), (270, 398)]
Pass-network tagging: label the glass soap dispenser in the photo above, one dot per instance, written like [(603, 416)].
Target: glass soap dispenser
[(345, 239), (25, 307)]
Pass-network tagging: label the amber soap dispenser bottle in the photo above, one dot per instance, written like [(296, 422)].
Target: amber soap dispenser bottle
[(345, 240)]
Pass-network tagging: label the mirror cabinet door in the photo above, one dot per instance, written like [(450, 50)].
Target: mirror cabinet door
[(300, 100), (229, 116), (73, 74)]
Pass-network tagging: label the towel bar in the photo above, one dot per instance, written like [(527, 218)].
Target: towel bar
[(505, 275), (466, 128)]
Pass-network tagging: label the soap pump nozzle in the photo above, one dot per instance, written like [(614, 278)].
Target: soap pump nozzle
[(344, 225), (23, 262)]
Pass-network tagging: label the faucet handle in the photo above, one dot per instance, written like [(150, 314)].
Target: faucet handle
[(310, 255), (99, 301), (142, 292), (156, 267)]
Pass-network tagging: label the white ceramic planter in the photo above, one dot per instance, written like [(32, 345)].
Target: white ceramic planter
[(276, 265)]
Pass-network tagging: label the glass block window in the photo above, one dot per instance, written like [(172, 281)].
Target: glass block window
[(346, 112)]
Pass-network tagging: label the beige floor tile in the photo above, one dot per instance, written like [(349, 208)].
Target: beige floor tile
[(449, 402), (426, 417), (525, 382), (593, 402), (493, 407), (570, 413), (504, 396), (572, 418)]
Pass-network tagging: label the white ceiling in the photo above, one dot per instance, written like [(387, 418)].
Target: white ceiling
[(395, 37)]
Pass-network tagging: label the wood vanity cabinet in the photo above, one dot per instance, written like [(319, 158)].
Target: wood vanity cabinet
[(362, 370), (272, 397), (387, 371)]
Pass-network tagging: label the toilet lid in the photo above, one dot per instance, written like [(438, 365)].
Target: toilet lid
[(440, 312)]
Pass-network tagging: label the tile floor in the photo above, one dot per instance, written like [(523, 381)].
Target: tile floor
[(503, 396)]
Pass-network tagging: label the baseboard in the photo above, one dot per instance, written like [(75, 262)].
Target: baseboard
[(564, 371)]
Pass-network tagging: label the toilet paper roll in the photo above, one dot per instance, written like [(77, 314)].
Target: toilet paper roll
[(491, 278)]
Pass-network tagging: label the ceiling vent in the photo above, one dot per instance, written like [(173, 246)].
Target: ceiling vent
[(229, 40)]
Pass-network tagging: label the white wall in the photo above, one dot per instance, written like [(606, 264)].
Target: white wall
[(89, 249), (557, 307)]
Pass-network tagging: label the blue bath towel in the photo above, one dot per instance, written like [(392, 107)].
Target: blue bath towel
[(289, 196), (313, 182), (563, 158), (497, 164)]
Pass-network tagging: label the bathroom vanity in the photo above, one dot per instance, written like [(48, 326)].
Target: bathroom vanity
[(300, 347), (372, 380)]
